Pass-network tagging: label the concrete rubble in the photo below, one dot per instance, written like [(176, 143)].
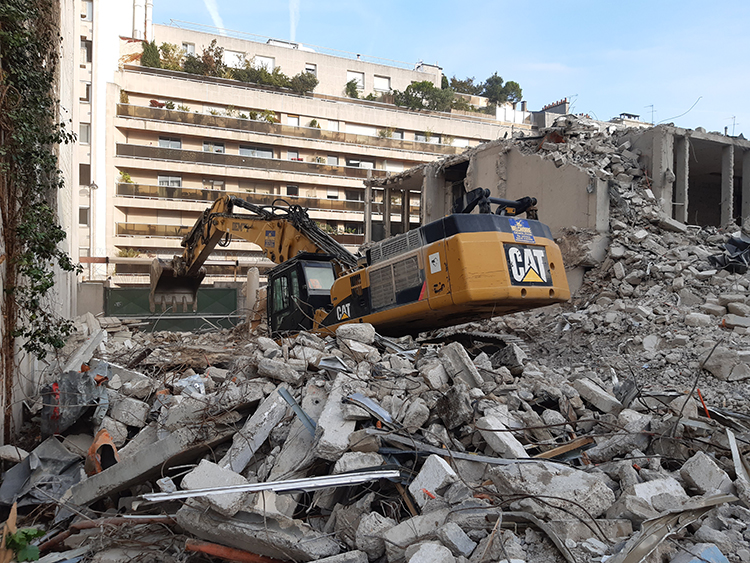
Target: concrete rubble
[(561, 434)]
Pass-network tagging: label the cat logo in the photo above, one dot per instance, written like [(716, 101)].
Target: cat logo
[(527, 265), (343, 311)]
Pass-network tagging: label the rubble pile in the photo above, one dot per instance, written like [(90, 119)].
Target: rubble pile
[(612, 428)]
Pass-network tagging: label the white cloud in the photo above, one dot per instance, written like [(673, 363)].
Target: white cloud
[(293, 18), (213, 10)]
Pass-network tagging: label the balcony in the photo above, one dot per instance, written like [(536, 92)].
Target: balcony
[(223, 159), (311, 133)]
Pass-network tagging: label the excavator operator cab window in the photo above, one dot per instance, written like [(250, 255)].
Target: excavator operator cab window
[(319, 277)]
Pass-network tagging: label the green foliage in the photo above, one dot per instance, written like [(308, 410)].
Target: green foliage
[(253, 115), (467, 86), (171, 56), (150, 56), (461, 104), (212, 60), (498, 92), (386, 133), (192, 64), (446, 140), (314, 123), (124, 98), (125, 178), (19, 543), (214, 111), (444, 82), (29, 44), (242, 115), (424, 95), (231, 111), (371, 97), (351, 89), (128, 253), (169, 104), (183, 108), (268, 115), (303, 82)]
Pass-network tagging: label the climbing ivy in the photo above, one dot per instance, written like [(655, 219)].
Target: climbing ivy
[(30, 132)]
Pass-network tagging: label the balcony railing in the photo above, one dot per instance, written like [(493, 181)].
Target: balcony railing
[(313, 133), (223, 159)]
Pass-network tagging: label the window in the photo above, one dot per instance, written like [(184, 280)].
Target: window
[(320, 277), (213, 184), (170, 142), (87, 10), (382, 83), (211, 146), (83, 216), (293, 155), (332, 193), (280, 294), (333, 160), (234, 59), (333, 125), (84, 133), (311, 68), (259, 152), (360, 163), (292, 120), (398, 135), (354, 195), (170, 181), (85, 50), (189, 48), (86, 92), (359, 77), (264, 62), (84, 174), (292, 191)]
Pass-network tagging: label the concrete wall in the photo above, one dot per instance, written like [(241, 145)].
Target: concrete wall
[(90, 298)]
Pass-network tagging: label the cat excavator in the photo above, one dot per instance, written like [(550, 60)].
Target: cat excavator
[(463, 267)]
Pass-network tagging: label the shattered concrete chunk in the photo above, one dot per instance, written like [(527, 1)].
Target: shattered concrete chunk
[(704, 475), (408, 532), (432, 553), (432, 480), (454, 406), (280, 371), (597, 396), (332, 432), (454, 538), (208, 475), (360, 332), (131, 412), (369, 534), (459, 366), (496, 434)]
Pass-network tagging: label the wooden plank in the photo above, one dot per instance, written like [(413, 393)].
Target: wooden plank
[(565, 448)]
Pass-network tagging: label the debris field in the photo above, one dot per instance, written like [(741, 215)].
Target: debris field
[(612, 428)]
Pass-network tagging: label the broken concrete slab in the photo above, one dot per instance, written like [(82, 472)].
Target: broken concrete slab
[(369, 534), (432, 553), (279, 371), (597, 396), (703, 474), (459, 366), (332, 432), (454, 406), (130, 412), (454, 538), (361, 332), (209, 474), (432, 480), (497, 436), (408, 532)]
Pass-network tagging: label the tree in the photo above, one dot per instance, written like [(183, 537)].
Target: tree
[(192, 64), (212, 59), (351, 88), (424, 95), (150, 56), (303, 82), (171, 56), (444, 82), (466, 86), (497, 92)]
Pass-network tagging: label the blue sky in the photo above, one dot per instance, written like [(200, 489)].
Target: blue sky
[(607, 57)]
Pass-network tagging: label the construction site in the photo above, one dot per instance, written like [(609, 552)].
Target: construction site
[(613, 426)]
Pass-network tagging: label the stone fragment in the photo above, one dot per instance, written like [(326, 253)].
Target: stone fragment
[(597, 396), (697, 319), (669, 224), (721, 362), (209, 474), (359, 351), (434, 478), (361, 332), (117, 431), (131, 412), (726, 298), (552, 480), (353, 461), (578, 531), (455, 539), (408, 532), (740, 372), (435, 375), (13, 454), (454, 406), (416, 415), (632, 436), (740, 309), (496, 434), (459, 366), (703, 474), (636, 502), (734, 321), (332, 431), (511, 356), (432, 553), (714, 309), (369, 534), (279, 371)]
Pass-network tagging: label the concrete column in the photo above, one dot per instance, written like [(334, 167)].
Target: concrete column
[(368, 208), (405, 211), (661, 167), (387, 211), (745, 185), (682, 173), (251, 294), (602, 205), (727, 184)]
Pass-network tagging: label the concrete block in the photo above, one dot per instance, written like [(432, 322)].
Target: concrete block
[(703, 474), (496, 434), (359, 351), (13, 454), (266, 344), (726, 298), (739, 309), (578, 531), (721, 362), (435, 476), (361, 332), (274, 505), (700, 553), (432, 553), (646, 500), (408, 532), (511, 357), (279, 371), (255, 431), (474, 514), (259, 534), (311, 356), (459, 366), (117, 430), (144, 439), (416, 415), (633, 436), (586, 489), (346, 557), (354, 461), (369, 534), (740, 372), (597, 396), (333, 431), (714, 309), (619, 270), (454, 406), (454, 538), (735, 321), (209, 474), (131, 412), (697, 319)]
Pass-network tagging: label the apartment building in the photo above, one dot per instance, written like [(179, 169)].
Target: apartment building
[(168, 143)]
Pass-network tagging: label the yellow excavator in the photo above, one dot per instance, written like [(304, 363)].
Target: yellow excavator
[(463, 267)]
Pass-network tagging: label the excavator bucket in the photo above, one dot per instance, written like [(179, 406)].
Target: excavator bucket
[(172, 291)]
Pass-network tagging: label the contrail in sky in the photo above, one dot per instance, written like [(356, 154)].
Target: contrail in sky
[(293, 18), (213, 10)]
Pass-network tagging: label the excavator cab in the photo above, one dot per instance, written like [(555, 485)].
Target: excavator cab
[(296, 289)]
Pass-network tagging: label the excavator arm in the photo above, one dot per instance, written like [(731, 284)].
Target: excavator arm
[(281, 231)]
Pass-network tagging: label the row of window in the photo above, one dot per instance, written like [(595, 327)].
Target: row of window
[(379, 83)]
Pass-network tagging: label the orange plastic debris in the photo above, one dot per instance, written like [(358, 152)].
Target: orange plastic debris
[(102, 454)]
